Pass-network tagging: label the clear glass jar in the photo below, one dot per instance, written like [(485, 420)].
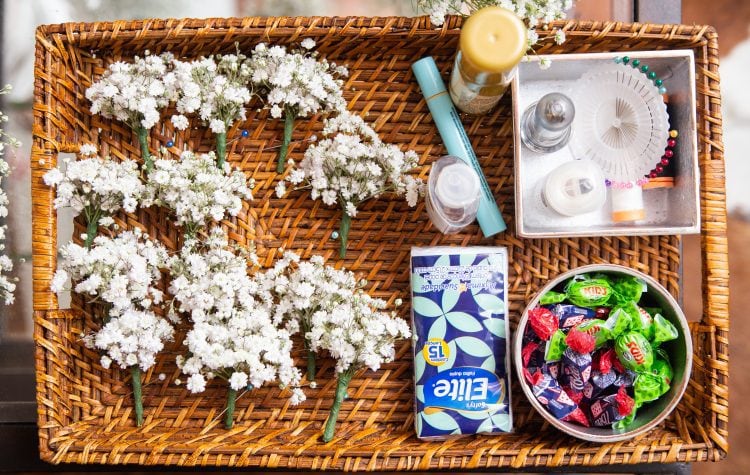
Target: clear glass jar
[(492, 43)]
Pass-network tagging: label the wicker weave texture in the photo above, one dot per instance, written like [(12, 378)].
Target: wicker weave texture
[(85, 412)]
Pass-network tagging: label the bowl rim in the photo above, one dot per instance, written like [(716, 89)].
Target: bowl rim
[(570, 428)]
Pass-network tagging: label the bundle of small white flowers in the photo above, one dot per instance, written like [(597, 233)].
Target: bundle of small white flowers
[(122, 273), (233, 336), (295, 84), (135, 93), (215, 87), (533, 12), (302, 288), (97, 187), (352, 165), (357, 334), (196, 190), (7, 284)]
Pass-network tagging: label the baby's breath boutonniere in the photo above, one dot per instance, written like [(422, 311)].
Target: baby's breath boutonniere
[(352, 165), (296, 84), (216, 88), (97, 187), (357, 334), (122, 274), (135, 93), (233, 337)]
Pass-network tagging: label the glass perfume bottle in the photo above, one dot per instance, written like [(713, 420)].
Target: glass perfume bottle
[(546, 124)]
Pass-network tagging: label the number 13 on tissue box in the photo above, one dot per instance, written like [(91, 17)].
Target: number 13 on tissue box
[(460, 328)]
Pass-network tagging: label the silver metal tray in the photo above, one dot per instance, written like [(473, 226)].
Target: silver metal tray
[(668, 210)]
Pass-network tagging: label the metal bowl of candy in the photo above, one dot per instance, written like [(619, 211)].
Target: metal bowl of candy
[(603, 352)]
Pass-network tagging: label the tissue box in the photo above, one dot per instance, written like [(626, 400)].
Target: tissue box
[(460, 328)]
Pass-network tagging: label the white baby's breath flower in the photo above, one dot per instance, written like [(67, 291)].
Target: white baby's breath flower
[(298, 396), (7, 284), (238, 380), (233, 336), (545, 63), (559, 37), (216, 88), (296, 84), (58, 281), (180, 122), (87, 150), (132, 338), (351, 165), (106, 221), (280, 189), (533, 12), (196, 190), (135, 92), (121, 271), (96, 186), (196, 383)]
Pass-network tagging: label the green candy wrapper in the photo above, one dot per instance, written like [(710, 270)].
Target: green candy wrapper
[(628, 288), (664, 330), (618, 322), (652, 310), (623, 424), (596, 328), (634, 351), (663, 370), (640, 320), (556, 346), (589, 292), (551, 298), (648, 387)]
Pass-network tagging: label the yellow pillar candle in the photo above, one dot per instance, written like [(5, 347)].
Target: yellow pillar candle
[(493, 41)]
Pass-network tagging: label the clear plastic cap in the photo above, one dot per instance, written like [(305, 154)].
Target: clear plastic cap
[(453, 193)]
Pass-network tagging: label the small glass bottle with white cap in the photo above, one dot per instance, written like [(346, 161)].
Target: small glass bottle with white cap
[(453, 192)]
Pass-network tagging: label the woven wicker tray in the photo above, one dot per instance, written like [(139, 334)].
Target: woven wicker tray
[(85, 413)]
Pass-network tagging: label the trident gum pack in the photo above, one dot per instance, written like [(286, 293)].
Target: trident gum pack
[(460, 328)]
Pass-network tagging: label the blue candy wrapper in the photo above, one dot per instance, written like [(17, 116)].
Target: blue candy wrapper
[(571, 316), (460, 328)]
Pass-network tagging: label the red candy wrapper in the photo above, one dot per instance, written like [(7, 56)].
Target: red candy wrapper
[(607, 360), (580, 342), (625, 403), (577, 416), (576, 396), (532, 379), (528, 350), (543, 322)]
